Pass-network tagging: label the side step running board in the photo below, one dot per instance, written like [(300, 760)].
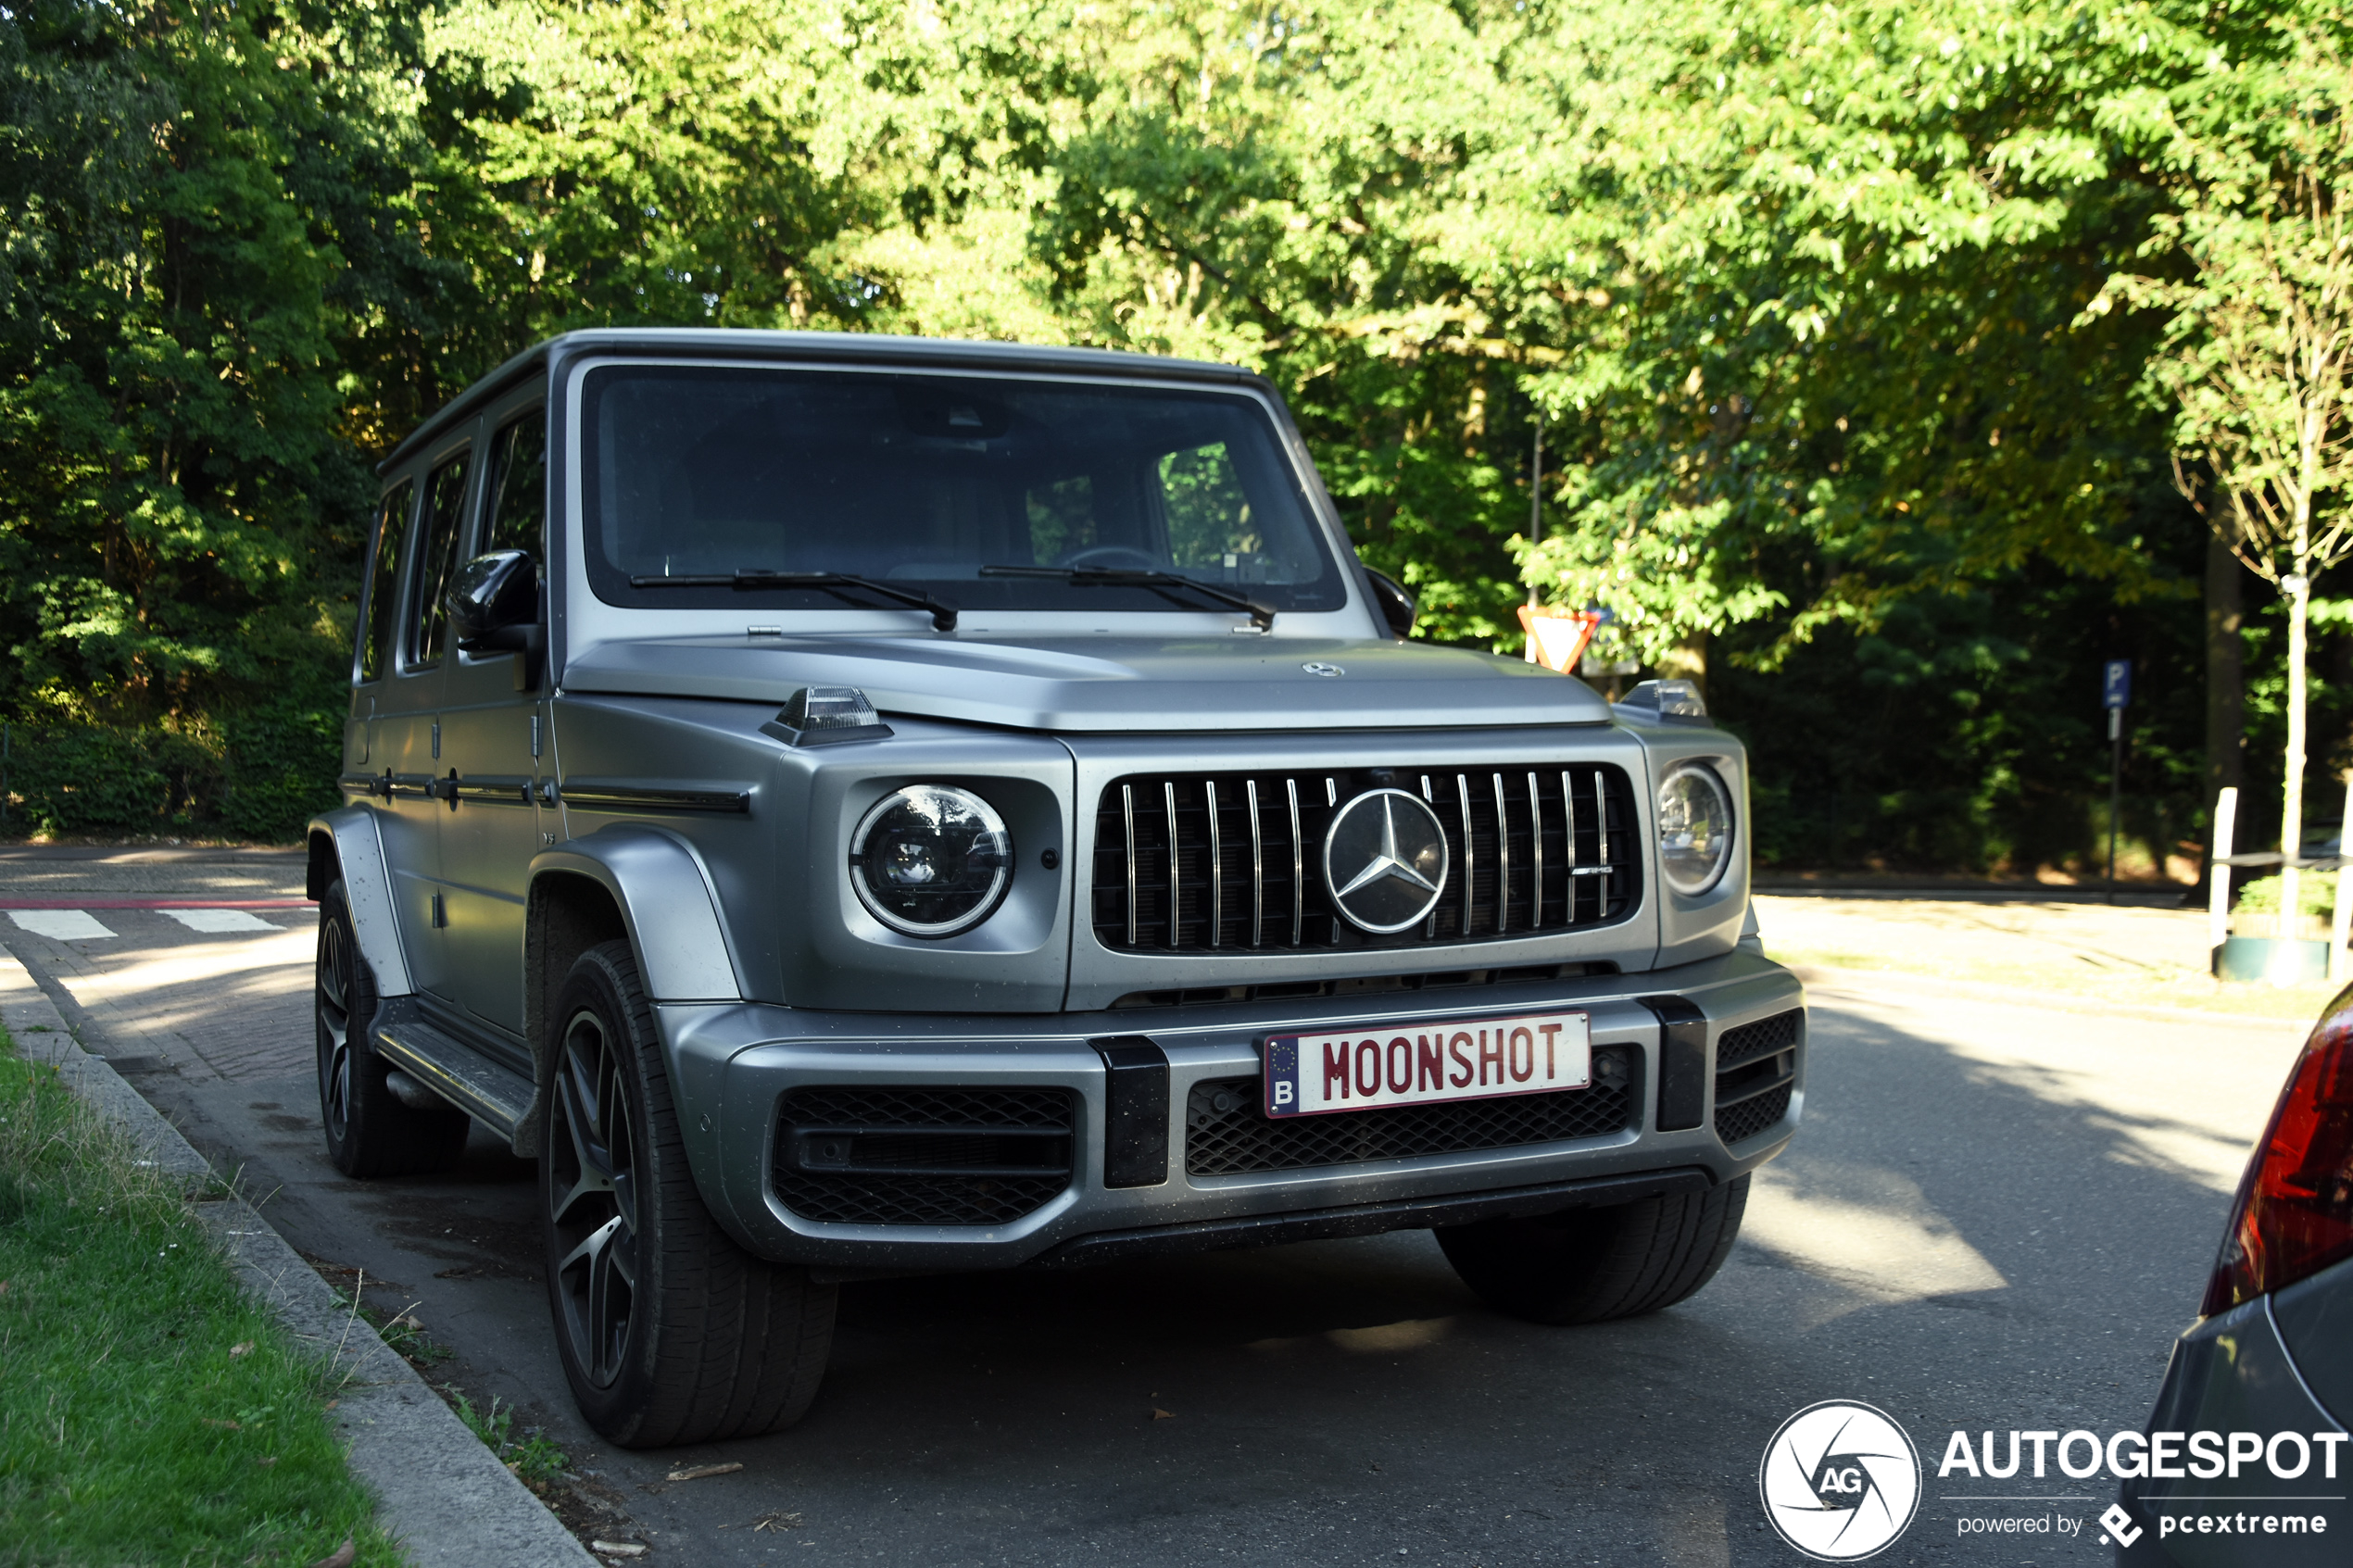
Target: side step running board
[(497, 1097)]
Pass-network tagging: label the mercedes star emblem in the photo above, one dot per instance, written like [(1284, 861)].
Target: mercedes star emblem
[(1385, 862)]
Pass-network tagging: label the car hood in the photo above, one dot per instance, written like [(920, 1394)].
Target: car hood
[(1103, 684)]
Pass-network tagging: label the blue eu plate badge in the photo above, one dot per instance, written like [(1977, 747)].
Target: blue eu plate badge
[(1479, 1058)]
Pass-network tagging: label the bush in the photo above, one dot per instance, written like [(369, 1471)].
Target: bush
[(257, 772), (2315, 894)]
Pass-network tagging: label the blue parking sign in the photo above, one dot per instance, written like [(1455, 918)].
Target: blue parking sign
[(2117, 690)]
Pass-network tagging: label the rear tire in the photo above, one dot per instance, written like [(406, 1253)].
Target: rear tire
[(669, 1332), (370, 1133), (1589, 1265)]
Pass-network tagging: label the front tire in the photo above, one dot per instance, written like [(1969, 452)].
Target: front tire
[(370, 1133), (1590, 1265), (669, 1332)]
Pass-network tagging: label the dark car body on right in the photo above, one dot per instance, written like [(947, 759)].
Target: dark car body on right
[(2270, 1359)]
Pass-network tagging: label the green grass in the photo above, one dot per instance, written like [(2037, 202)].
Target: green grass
[(150, 1412), (536, 1461)]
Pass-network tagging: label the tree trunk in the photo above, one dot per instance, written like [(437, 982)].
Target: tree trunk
[(1687, 661), (2225, 670), (2292, 794)]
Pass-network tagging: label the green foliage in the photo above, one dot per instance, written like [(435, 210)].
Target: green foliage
[(2314, 896), (1817, 313), (152, 1413)]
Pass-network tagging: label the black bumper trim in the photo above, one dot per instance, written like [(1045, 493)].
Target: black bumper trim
[(1372, 1219)]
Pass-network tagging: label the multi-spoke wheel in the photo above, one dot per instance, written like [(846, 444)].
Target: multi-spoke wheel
[(592, 1197), (370, 1133), (668, 1331), (1589, 1265)]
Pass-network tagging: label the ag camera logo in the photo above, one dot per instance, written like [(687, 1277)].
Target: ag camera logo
[(1840, 1481)]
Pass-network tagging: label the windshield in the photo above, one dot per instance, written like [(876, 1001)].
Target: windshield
[(692, 471)]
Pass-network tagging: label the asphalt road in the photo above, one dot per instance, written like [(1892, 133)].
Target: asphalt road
[(1997, 1216)]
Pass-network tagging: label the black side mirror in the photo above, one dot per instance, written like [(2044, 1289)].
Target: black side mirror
[(1397, 607), (494, 608)]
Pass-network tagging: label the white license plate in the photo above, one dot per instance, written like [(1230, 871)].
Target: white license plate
[(1363, 1070)]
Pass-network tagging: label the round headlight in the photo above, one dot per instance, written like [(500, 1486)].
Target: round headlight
[(930, 861), (1694, 828)]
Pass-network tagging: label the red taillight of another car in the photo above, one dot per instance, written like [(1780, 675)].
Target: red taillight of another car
[(2294, 1212)]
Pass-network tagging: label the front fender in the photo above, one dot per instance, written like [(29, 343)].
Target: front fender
[(367, 890), (668, 903)]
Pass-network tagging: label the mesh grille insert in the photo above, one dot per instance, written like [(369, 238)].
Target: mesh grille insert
[(1756, 1069), (1228, 1134), (950, 1155)]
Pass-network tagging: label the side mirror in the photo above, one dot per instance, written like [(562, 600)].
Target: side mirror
[(1397, 607), (494, 608)]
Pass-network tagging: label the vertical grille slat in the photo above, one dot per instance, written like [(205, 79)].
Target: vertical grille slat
[(1557, 860)]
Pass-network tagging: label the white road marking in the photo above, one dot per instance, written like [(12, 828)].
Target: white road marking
[(220, 920), (60, 925)]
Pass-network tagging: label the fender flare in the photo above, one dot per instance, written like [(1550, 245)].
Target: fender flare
[(668, 904), (367, 888)]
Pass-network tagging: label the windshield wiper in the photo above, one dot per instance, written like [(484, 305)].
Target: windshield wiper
[(1115, 577), (943, 616)]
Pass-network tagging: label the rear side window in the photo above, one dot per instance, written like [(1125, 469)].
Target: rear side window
[(376, 615), (518, 487), (436, 561)]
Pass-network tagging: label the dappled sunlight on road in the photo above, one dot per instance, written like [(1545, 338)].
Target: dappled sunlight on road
[(285, 957), (1864, 1227)]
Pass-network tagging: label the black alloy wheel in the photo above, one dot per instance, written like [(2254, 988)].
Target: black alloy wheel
[(369, 1132), (592, 1198), (338, 978), (668, 1330)]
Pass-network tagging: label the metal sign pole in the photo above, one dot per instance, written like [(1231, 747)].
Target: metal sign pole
[(2116, 690), (2218, 875)]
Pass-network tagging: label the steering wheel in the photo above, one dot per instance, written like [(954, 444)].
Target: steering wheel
[(1111, 557)]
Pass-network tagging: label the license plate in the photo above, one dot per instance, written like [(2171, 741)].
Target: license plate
[(1363, 1070)]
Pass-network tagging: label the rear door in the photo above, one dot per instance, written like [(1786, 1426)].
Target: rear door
[(407, 744)]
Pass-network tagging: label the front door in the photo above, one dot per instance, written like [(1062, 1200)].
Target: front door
[(494, 738)]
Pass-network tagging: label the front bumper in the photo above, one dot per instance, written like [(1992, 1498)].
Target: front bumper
[(732, 1064)]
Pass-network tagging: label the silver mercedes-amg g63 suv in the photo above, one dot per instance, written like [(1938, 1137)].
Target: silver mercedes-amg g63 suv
[(854, 806)]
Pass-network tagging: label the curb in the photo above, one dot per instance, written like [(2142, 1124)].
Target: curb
[(439, 1490)]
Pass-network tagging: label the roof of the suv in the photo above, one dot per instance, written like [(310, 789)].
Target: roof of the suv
[(864, 347)]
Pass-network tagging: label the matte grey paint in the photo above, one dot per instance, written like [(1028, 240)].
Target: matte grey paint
[(1091, 684), (725, 851), (368, 891), (666, 898)]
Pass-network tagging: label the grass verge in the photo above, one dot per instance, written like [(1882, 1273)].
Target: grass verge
[(150, 1412)]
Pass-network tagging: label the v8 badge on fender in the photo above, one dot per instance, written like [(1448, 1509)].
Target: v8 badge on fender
[(1478, 1059)]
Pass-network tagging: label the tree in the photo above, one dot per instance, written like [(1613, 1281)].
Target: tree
[(2258, 357)]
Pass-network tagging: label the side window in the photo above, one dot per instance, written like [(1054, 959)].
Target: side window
[(1209, 516), (518, 488), (376, 615), (436, 561)]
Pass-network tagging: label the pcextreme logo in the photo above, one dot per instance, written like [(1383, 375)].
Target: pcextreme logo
[(1840, 1481)]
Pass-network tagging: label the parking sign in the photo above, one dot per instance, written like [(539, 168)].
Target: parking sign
[(2117, 690)]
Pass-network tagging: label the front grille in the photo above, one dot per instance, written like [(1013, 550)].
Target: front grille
[(874, 1155), (1228, 1134), (1359, 985), (1211, 862), (1756, 1071)]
